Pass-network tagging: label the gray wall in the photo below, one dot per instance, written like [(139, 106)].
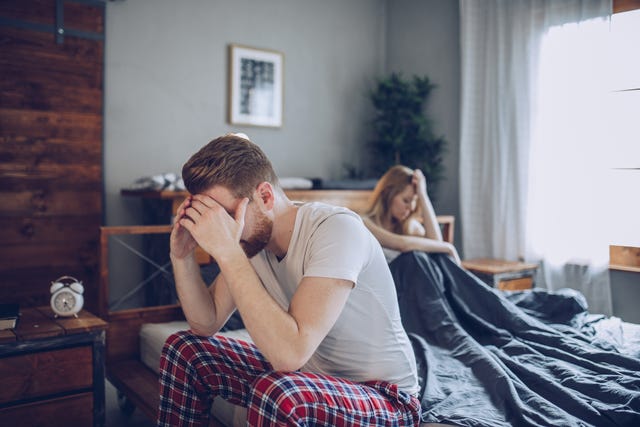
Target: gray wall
[(166, 84), (166, 76), (423, 39)]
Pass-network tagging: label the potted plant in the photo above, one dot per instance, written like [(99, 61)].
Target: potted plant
[(402, 132)]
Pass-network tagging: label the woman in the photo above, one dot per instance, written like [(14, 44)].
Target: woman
[(401, 216)]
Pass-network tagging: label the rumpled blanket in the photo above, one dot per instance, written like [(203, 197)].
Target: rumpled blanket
[(524, 359)]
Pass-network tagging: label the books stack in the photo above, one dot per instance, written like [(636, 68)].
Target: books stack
[(8, 316)]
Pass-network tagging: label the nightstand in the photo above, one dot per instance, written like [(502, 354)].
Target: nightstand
[(52, 370), (501, 274)]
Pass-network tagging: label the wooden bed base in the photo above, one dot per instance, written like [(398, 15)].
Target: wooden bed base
[(134, 381)]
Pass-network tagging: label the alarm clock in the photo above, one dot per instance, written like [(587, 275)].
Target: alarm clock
[(66, 296)]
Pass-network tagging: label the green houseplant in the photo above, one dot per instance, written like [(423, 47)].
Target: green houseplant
[(402, 132)]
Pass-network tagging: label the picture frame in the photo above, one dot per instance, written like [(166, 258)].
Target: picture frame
[(255, 86)]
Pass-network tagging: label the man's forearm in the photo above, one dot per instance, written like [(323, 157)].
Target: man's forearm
[(273, 330), (195, 299)]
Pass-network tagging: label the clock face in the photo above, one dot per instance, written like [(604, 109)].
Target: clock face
[(64, 302)]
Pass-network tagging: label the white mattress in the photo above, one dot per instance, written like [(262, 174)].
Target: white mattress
[(152, 339)]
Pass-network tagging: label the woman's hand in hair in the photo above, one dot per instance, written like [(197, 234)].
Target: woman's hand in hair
[(419, 183)]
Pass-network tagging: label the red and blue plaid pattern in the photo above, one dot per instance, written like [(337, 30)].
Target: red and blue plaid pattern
[(194, 369)]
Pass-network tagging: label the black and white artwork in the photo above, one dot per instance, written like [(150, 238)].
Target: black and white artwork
[(255, 86)]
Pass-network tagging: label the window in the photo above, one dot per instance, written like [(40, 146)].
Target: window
[(624, 121), (585, 160)]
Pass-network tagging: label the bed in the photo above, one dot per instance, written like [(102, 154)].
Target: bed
[(516, 358), (491, 358), (135, 336)]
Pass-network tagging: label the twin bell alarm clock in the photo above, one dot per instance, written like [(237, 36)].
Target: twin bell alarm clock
[(66, 296)]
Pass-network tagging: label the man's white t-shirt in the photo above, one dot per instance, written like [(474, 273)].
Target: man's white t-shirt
[(367, 341)]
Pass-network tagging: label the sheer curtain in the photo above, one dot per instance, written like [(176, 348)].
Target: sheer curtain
[(502, 43), (568, 225)]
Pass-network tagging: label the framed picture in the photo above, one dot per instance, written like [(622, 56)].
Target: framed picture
[(255, 86)]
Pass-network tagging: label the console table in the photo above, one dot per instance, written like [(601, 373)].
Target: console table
[(624, 275), (501, 274), (356, 200)]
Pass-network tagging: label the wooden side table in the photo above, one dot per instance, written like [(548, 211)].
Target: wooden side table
[(52, 370), (501, 274)]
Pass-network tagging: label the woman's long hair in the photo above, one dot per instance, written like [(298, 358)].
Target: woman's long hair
[(394, 181)]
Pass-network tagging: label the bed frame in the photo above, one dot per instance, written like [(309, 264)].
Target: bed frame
[(137, 385)]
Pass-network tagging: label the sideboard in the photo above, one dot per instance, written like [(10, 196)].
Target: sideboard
[(356, 200)]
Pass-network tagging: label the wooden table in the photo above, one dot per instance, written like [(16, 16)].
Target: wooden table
[(501, 274), (52, 370), (624, 275)]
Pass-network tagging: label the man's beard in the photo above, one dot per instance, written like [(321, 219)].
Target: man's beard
[(260, 237)]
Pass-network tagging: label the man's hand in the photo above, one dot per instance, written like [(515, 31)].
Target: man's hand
[(182, 244), (212, 227)]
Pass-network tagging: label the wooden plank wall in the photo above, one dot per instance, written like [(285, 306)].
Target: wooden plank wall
[(51, 96)]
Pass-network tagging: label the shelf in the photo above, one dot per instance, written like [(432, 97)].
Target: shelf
[(624, 258)]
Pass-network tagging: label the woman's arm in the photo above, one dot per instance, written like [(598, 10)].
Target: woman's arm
[(429, 220), (405, 243)]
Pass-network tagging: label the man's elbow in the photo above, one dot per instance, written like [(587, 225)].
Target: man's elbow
[(202, 329), (288, 362), (285, 367)]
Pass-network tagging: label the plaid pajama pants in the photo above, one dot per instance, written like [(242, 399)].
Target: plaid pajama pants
[(194, 369)]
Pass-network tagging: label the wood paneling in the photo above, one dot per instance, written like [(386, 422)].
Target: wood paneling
[(36, 11), (83, 17), (50, 147), (29, 286), (49, 201), (17, 230)]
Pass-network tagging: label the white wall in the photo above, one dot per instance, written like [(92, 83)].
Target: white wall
[(166, 84)]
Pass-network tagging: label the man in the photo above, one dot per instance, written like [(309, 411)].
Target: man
[(314, 292)]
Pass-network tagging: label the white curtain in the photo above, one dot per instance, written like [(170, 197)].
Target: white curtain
[(501, 47), (568, 226)]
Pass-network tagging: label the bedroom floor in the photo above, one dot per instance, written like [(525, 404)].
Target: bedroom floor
[(115, 418)]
